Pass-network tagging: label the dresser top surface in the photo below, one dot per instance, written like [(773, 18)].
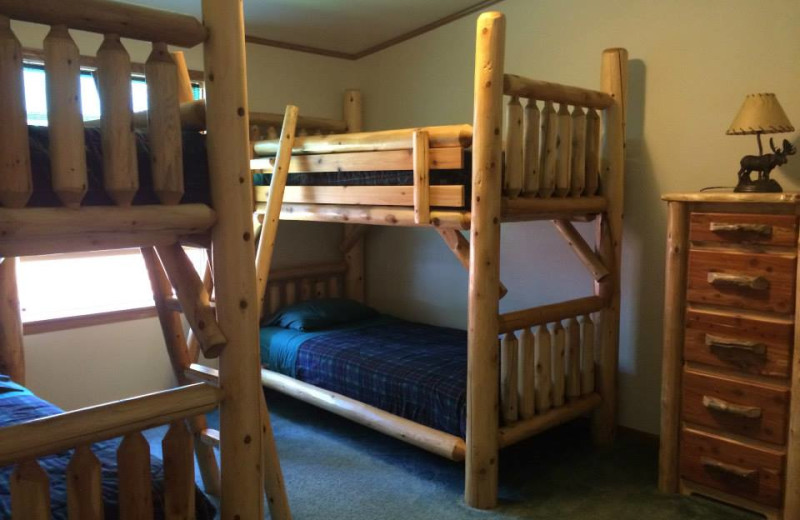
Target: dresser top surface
[(721, 196)]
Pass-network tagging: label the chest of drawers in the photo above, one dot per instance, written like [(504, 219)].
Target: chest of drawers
[(730, 423)]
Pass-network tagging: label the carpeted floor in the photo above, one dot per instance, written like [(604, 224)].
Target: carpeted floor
[(337, 470)]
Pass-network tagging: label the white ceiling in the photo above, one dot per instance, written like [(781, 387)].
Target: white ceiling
[(347, 26)]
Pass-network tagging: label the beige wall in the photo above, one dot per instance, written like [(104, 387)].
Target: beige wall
[(87, 366), (691, 65)]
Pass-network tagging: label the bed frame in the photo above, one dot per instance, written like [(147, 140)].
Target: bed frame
[(531, 369), (229, 331)]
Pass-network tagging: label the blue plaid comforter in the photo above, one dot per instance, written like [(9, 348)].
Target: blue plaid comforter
[(409, 369), (17, 405)]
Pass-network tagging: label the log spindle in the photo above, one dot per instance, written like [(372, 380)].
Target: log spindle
[(573, 342), (543, 360), (514, 153), (592, 152), (120, 170), (84, 491), (65, 122), (164, 125), (30, 492), (559, 350), (16, 184), (135, 490), (508, 378), (179, 488), (526, 375), (564, 149), (547, 156), (587, 355), (531, 149), (578, 182)]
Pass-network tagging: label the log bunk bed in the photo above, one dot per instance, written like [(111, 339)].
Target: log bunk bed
[(527, 370), (54, 205)]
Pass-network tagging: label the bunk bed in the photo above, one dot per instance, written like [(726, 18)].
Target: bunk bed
[(519, 372), (171, 190)]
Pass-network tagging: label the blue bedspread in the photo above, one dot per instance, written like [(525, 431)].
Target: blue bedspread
[(17, 405), (409, 369)]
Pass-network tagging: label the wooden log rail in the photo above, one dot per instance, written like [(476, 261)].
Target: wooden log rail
[(65, 121), (22, 444), (546, 364), (552, 152)]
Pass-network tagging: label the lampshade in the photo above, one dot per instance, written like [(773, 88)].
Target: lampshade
[(760, 113)]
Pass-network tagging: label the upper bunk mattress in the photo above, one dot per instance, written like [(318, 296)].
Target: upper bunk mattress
[(18, 405), (409, 369)]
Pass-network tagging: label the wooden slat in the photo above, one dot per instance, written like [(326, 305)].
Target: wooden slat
[(30, 492), (120, 169), (526, 380), (548, 154), (531, 148), (592, 152), (442, 196), (422, 181), (544, 370), (587, 355), (573, 343), (12, 353), (530, 88), (135, 490), (578, 174), (16, 184), (69, 429), (450, 136), (179, 490), (514, 151), (508, 378), (64, 119), (564, 150), (549, 313), (84, 491), (509, 435), (373, 215), (110, 17), (164, 125), (195, 301), (451, 158), (559, 358)]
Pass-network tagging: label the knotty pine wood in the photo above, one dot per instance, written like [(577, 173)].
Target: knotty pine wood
[(783, 228)]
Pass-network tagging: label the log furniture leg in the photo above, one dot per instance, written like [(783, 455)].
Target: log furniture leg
[(12, 354)]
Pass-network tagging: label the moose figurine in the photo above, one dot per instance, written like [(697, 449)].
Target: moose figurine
[(763, 164)]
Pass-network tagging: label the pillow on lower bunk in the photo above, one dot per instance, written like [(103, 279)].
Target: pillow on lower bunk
[(320, 314)]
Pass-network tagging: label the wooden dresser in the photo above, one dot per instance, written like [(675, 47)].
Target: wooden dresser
[(730, 405)]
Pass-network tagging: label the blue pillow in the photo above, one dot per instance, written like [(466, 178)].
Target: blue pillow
[(320, 314)]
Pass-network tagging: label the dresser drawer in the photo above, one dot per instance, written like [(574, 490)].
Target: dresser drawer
[(756, 281), (752, 345), (736, 468), (744, 228), (751, 409)]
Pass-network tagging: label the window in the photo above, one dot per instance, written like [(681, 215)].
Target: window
[(83, 284)]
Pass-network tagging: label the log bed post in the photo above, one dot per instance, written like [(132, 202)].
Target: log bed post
[(12, 355), (234, 260), (614, 79), (484, 274)]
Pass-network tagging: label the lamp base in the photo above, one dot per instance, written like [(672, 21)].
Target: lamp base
[(759, 186)]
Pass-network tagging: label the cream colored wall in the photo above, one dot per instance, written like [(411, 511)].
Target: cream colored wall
[(692, 63), (91, 365)]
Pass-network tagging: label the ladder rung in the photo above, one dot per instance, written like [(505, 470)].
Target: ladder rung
[(210, 437), (202, 374)]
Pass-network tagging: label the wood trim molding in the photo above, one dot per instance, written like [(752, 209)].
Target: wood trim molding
[(257, 40), (88, 320)]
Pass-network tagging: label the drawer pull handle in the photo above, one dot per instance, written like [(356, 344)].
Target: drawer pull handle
[(719, 405), (728, 469), (756, 283), (755, 229), (736, 345)]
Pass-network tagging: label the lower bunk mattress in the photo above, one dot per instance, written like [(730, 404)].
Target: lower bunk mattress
[(412, 370), (18, 404)]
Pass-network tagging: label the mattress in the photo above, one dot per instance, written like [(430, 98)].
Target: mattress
[(17, 405), (409, 369)]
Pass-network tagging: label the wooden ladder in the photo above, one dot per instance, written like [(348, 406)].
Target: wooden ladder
[(168, 267)]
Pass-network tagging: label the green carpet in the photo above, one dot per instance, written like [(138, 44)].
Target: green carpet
[(337, 470)]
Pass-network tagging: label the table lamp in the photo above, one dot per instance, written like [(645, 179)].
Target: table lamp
[(761, 114)]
